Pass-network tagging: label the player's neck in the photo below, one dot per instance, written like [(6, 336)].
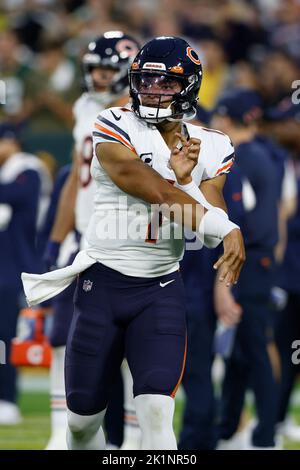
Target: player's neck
[(167, 130)]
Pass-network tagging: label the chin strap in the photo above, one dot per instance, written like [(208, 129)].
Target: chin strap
[(156, 115)]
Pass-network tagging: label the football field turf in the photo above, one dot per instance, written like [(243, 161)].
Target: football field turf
[(34, 430)]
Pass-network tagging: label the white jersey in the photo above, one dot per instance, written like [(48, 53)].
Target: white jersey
[(85, 111), (131, 251)]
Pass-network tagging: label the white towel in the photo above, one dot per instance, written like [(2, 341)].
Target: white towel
[(41, 287)]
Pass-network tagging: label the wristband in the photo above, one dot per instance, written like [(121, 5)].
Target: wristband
[(215, 225), (192, 190)]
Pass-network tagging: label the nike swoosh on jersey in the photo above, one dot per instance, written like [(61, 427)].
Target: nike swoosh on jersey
[(117, 118), (164, 284)]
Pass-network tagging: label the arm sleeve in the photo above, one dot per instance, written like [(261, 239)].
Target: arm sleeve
[(222, 158), (111, 126)]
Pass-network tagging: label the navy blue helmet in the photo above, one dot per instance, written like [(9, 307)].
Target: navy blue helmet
[(166, 70), (114, 50)]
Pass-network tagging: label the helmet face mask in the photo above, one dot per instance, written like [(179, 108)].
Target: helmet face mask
[(164, 81)]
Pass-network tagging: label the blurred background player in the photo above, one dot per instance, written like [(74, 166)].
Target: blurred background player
[(236, 113), (61, 303), (199, 429), (105, 68), (25, 186), (198, 425), (284, 125)]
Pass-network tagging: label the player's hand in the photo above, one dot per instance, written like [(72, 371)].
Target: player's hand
[(234, 256), (228, 311), (184, 161)]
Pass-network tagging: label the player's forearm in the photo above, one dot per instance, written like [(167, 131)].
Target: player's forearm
[(141, 181), (213, 194), (211, 225), (65, 217), (209, 194)]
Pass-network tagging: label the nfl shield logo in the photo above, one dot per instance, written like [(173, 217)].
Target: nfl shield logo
[(87, 285)]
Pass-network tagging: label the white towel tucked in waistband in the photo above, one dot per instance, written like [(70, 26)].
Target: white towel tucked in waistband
[(41, 287)]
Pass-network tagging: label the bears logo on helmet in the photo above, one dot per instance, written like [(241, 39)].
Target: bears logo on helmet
[(192, 55)]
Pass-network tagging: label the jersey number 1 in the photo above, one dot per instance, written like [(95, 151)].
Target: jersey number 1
[(155, 224)]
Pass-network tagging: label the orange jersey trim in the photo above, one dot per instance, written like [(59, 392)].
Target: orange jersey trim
[(225, 167), (116, 136), (182, 370)]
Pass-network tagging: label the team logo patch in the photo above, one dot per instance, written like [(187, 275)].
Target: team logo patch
[(126, 48), (147, 158), (87, 285), (192, 55)]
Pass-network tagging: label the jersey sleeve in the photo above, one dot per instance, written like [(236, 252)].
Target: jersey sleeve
[(111, 126), (222, 158)]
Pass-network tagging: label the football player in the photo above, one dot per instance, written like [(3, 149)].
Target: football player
[(129, 297)]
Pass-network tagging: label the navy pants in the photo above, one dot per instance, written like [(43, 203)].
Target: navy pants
[(114, 416), (117, 315), (249, 365), (9, 310), (63, 308), (62, 316), (287, 331)]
